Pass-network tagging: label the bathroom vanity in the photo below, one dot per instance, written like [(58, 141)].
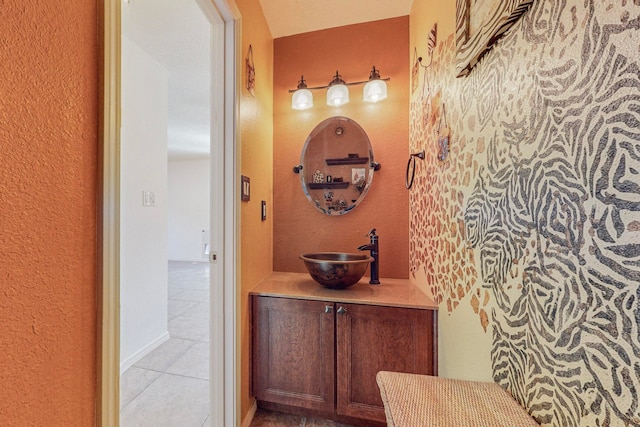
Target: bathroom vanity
[(318, 350)]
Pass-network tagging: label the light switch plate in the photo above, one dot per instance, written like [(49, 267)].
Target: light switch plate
[(246, 188), (148, 198)]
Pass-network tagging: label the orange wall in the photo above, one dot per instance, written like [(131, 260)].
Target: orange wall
[(352, 50), (256, 134), (48, 167)]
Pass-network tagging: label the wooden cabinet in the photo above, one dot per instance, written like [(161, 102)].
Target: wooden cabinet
[(293, 352), (324, 356), (370, 339)]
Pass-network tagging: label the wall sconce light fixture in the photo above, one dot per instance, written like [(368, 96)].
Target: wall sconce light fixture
[(375, 90), (302, 97), (337, 93)]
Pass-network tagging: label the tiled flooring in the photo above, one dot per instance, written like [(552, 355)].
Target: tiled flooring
[(170, 386)]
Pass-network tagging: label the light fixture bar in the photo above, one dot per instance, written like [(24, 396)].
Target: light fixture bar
[(374, 70), (346, 84), (375, 90)]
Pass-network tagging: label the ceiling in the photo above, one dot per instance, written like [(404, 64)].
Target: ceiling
[(177, 35), (288, 17)]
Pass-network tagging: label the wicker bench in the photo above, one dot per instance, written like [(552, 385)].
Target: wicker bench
[(422, 401)]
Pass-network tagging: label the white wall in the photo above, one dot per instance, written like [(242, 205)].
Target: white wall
[(143, 233), (188, 209)]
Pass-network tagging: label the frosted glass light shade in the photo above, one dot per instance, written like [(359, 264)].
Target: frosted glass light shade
[(337, 95), (374, 91), (302, 99)]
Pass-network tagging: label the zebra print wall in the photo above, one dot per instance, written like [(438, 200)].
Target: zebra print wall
[(532, 222)]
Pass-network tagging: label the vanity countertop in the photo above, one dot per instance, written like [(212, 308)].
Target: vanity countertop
[(390, 292)]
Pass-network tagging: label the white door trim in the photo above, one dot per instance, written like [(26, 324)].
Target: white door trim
[(108, 277), (225, 160), (224, 17)]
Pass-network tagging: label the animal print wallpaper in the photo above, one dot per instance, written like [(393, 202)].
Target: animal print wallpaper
[(533, 216)]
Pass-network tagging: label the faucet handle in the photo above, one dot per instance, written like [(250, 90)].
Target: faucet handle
[(371, 233)]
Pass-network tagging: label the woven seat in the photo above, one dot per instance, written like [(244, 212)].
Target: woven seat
[(422, 401)]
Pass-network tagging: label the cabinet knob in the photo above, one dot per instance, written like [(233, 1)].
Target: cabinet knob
[(342, 310), (328, 309)]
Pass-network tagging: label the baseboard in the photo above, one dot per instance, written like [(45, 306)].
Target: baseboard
[(129, 362), (246, 422)]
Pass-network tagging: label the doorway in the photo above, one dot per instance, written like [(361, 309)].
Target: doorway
[(223, 16)]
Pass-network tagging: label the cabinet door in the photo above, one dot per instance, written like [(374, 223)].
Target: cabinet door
[(293, 352), (372, 339)]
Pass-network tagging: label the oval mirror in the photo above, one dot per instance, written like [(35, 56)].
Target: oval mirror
[(337, 166)]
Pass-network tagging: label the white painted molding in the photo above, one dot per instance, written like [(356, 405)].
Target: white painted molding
[(131, 360), (233, 81), (223, 328), (108, 303), (225, 19)]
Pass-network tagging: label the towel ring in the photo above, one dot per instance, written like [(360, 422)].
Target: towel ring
[(411, 168)]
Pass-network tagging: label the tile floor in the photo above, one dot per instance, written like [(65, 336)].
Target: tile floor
[(169, 387)]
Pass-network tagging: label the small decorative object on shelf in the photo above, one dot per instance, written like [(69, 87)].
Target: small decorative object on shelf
[(329, 179), (357, 175), (341, 203), (318, 177)]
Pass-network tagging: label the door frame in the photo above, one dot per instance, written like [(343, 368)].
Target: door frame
[(225, 22)]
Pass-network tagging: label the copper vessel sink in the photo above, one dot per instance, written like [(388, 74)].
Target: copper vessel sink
[(336, 270)]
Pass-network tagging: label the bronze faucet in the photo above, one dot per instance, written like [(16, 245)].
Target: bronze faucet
[(375, 254)]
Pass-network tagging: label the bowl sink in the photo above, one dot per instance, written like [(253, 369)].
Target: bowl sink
[(336, 270)]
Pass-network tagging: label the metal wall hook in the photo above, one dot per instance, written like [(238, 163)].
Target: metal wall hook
[(411, 168)]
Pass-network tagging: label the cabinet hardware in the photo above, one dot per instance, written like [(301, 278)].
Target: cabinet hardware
[(328, 309), (342, 310)]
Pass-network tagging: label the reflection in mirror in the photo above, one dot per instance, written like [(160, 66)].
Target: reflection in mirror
[(337, 166)]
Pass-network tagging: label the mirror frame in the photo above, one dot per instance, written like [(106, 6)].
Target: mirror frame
[(371, 166)]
